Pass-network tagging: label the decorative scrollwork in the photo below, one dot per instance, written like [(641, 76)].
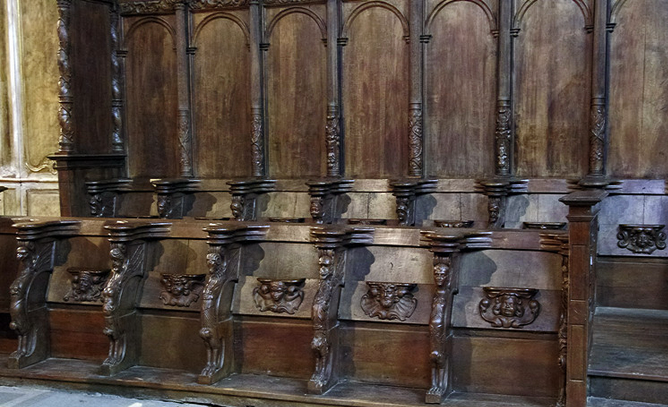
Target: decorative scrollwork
[(415, 140), (279, 295), (509, 307), (389, 301), (185, 143), (333, 140), (597, 139), (257, 143), (641, 238), (503, 138)]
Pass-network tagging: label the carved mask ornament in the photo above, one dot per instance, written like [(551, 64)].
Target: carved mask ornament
[(389, 301), (641, 238), (279, 295), (87, 285), (181, 290), (509, 307)]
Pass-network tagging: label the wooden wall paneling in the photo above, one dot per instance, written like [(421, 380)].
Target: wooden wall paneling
[(91, 69), (551, 119), (185, 140), (151, 96), (296, 90), (78, 333), (460, 90), (638, 96), (376, 88), (221, 94)]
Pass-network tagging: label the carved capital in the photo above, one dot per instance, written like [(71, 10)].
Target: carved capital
[(509, 307), (642, 239)]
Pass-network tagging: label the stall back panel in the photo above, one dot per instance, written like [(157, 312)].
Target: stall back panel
[(460, 96), (552, 88), (91, 46), (151, 97), (639, 90), (375, 89), (221, 95), (296, 92)]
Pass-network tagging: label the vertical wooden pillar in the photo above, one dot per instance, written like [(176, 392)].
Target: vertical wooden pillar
[(598, 111), (415, 136), (504, 127), (117, 144), (333, 127), (257, 110), (183, 83), (65, 97), (583, 228)]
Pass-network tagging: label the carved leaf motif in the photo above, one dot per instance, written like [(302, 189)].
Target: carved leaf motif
[(415, 141)]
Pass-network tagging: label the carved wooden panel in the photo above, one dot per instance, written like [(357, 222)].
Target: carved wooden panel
[(375, 89), (296, 91), (638, 96), (221, 94), (91, 58), (151, 96), (460, 93), (552, 88)]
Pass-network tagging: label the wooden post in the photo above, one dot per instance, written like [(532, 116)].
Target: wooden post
[(333, 127), (65, 97), (415, 131), (504, 122), (257, 111), (117, 144), (583, 229), (184, 122)]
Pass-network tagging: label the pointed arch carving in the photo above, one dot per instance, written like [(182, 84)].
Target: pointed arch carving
[(614, 12), (222, 16), (149, 20), (582, 5), (298, 10), (371, 4), (491, 16)]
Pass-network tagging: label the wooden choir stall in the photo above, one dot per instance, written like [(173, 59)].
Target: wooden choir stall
[(351, 203)]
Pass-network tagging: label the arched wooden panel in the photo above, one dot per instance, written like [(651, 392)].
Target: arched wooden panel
[(375, 95), (460, 93), (151, 101), (221, 98), (296, 97), (552, 90), (639, 91)]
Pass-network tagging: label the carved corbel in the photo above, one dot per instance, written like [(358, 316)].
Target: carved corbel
[(446, 282), (105, 196), (509, 307), (36, 252), (406, 193), (330, 243), (245, 194), (215, 313), (642, 239), (129, 269), (181, 290), (497, 191), (324, 197), (175, 196)]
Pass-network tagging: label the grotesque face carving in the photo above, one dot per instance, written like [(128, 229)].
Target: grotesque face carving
[(279, 295), (87, 285), (181, 290), (389, 300), (442, 273), (509, 307)]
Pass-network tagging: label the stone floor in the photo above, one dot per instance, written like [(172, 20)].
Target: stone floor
[(29, 396)]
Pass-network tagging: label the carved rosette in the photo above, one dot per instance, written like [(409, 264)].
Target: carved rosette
[(185, 142), (279, 296), (333, 141), (86, 285), (509, 307), (66, 139), (116, 95), (642, 239), (257, 143), (596, 138), (503, 138), (389, 301), (415, 140), (181, 290)]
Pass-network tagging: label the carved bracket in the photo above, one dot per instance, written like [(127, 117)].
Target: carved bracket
[(36, 252), (497, 191), (509, 307), (181, 290), (105, 196), (245, 195), (215, 313), (406, 192), (175, 196), (130, 266), (641, 238), (87, 284), (279, 295), (389, 301), (324, 197), (330, 243)]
